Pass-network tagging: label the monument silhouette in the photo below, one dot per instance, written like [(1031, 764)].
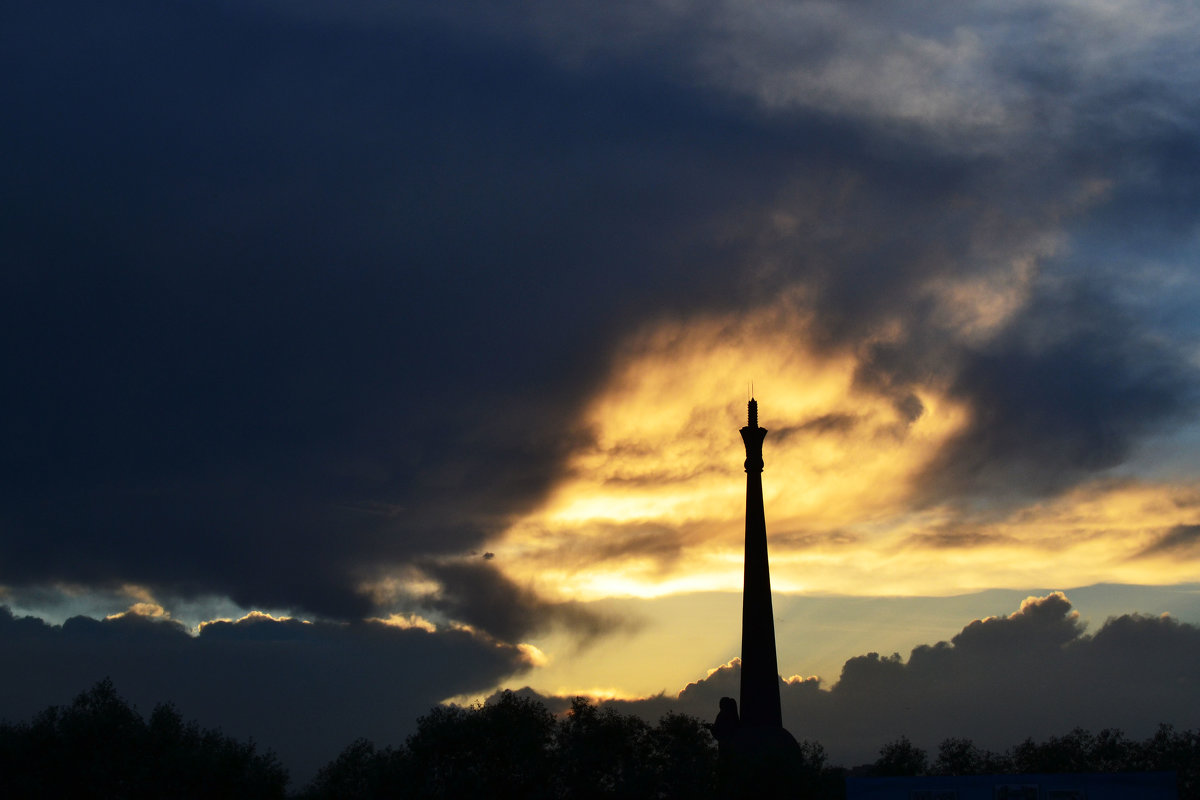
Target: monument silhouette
[(759, 757), (760, 667)]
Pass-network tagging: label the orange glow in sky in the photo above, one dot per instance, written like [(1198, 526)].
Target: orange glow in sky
[(653, 506)]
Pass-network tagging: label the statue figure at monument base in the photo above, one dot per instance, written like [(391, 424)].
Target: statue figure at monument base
[(753, 761)]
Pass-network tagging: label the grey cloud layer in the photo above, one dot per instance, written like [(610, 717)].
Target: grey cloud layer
[(479, 595), (1034, 673), (305, 690), (1181, 539), (292, 298)]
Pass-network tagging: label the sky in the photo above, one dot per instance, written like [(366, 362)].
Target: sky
[(360, 356)]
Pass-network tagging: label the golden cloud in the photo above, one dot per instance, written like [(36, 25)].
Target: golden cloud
[(653, 504)]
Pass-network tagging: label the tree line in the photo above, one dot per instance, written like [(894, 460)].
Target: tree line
[(1167, 749), (511, 747), (100, 747)]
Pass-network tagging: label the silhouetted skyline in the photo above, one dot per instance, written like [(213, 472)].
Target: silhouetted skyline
[(382, 354)]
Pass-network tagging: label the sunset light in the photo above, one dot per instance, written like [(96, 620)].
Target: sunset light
[(363, 359)]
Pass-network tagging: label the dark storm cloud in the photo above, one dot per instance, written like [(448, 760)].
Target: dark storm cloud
[(288, 300), (261, 275), (479, 595), (1061, 390), (633, 542), (247, 319), (1042, 675), (832, 423), (1034, 673), (1181, 539), (304, 690), (661, 544), (1064, 392)]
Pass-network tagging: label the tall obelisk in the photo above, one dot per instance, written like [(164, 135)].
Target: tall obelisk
[(760, 668)]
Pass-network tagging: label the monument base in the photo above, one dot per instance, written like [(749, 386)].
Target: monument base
[(761, 763)]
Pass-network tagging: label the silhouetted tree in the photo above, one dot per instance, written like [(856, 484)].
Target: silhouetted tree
[(360, 772), (1110, 751), (684, 758), (963, 757), (1169, 749), (1081, 751), (900, 758), (513, 747), (184, 760), (1069, 753), (812, 776), (958, 757), (502, 749), (99, 747), (603, 753)]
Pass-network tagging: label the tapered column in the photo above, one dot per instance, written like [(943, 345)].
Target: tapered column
[(760, 668)]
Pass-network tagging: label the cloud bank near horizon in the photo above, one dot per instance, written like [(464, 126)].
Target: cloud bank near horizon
[(1034, 673), (306, 690)]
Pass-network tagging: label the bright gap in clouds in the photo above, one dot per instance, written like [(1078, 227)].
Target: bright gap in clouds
[(653, 506), (647, 521)]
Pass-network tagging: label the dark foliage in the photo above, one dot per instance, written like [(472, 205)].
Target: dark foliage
[(361, 772), (100, 747), (901, 758), (1077, 751), (683, 752), (964, 757), (604, 753), (813, 777), (513, 747), (1110, 751), (502, 749)]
